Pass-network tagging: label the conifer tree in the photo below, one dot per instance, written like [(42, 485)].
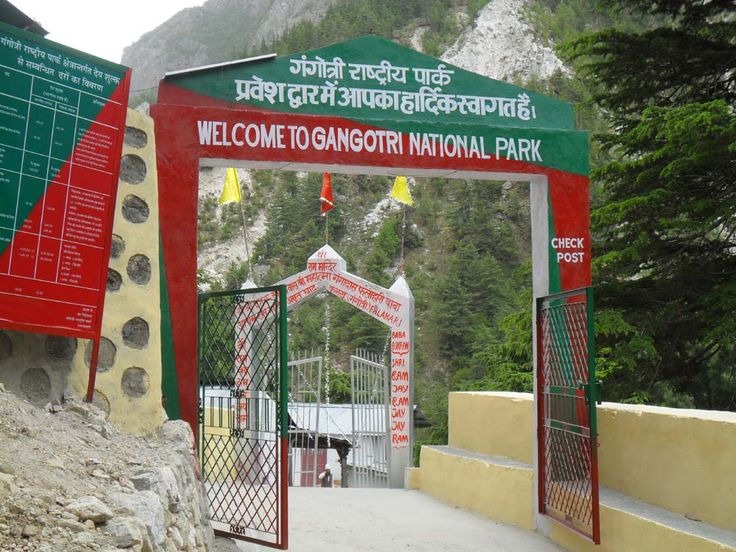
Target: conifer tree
[(666, 230)]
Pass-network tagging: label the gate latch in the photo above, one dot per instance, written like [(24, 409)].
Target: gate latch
[(591, 389)]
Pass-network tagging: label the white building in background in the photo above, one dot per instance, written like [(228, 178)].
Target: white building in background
[(335, 427)]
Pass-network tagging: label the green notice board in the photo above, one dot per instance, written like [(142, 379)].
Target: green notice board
[(62, 123)]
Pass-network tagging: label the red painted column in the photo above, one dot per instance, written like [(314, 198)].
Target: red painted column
[(178, 182)]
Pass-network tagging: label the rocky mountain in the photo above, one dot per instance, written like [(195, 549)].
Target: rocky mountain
[(501, 45), (214, 259), (219, 30)]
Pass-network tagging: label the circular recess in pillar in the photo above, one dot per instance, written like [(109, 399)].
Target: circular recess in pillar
[(6, 346), (139, 269), (35, 385), (60, 348), (135, 137), (101, 401), (135, 209), (136, 333), (132, 169), (135, 382), (117, 247), (114, 280), (106, 356)]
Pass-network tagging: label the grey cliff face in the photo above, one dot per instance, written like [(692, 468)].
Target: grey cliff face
[(218, 31)]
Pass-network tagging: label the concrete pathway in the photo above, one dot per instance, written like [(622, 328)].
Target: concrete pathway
[(362, 520)]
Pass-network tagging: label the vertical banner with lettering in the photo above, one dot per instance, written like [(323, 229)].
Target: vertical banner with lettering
[(62, 123)]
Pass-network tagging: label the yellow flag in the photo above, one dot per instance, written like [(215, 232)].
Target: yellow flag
[(231, 189), (400, 191)]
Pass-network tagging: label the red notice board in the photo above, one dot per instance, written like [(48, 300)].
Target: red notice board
[(62, 125)]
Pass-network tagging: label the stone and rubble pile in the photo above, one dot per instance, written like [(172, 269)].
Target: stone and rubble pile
[(70, 481)]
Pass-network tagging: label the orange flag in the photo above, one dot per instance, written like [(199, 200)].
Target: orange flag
[(326, 195)]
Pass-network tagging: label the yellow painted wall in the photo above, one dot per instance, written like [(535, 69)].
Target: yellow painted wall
[(503, 493), (681, 460), (624, 532), (413, 480), (132, 413), (492, 423)]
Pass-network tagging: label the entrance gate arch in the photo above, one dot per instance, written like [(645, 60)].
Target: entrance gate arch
[(327, 271), (365, 106)]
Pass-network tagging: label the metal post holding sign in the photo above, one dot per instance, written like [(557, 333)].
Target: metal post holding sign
[(567, 392), (92, 377), (283, 337), (243, 417)]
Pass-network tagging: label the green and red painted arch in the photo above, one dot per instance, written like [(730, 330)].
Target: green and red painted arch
[(199, 121)]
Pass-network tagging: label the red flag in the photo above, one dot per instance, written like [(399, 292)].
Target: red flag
[(326, 195)]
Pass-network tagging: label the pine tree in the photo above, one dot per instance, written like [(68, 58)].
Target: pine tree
[(666, 261)]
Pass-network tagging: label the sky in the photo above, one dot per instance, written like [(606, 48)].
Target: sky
[(100, 27)]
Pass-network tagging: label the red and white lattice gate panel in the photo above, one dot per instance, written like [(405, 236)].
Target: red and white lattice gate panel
[(566, 415)]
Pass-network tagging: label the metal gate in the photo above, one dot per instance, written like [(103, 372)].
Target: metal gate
[(305, 401), (369, 379), (243, 420), (566, 425)]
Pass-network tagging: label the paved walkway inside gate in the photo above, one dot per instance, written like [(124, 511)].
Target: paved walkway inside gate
[(363, 520)]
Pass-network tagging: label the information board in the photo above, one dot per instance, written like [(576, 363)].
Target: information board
[(62, 124)]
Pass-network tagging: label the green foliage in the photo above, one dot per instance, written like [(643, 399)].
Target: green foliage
[(505, 363), (340, 390), (218, 359), (385, 248), (295, 228), (466, 291), (588, 115), (665, 224), (558, 22), (474, 7), (306, 327), (347, 19), (476, 288), (236, 275), (687, 56), (394, 239)]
